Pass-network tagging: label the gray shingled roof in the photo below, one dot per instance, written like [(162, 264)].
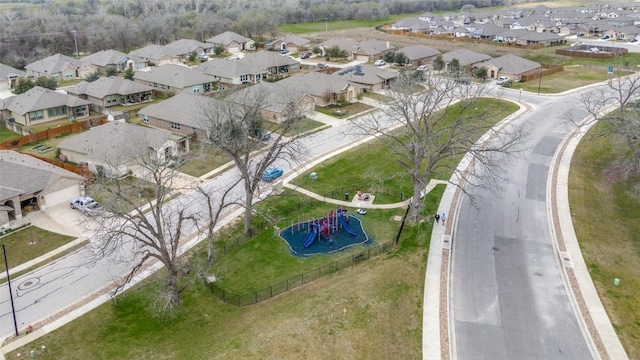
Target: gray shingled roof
[(373, 46), (153, 52), (182, 108), (543, 36), (108, 86), (227, 68), (183, 47), (52, 64), (342, 43), (414, 52), (412, 23), (105, 57), (266, 59), (39, 98), (365, 74), (116, 142), (323, 84), (465, 57), (227, 38), (514, 64), (274, 96), (174, 75), (295, 39), (6, 71), (16, 168)]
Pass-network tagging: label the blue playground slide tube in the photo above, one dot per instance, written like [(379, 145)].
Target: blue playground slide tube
[(345, 225), (311, 237)]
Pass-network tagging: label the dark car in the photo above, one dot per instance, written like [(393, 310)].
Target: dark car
[(306, 55), (463, 80), (272, 173)]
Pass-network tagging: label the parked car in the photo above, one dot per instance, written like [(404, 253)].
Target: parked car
[(379, 62), (502, 80), (86, 205), (272, 173), (634, 41), (579, 35), (284, 51), (233, 58), (322, 65), (463, 80), (423, 68), (306, 55), (606, 37), (204, 57)]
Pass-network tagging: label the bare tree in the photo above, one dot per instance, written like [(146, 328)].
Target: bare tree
[(426, 130), (238, 126), (617, 106)]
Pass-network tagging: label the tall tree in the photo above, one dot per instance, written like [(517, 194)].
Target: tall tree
[(434, 127), (233, 124)]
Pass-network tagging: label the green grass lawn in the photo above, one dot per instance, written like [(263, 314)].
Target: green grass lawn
[(6, 134), (360, 169), (348, 110), (42, 241), (202, 159), (572, 77), (320, 25), (605, 213)]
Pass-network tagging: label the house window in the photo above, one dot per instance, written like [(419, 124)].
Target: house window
[(68, 75), (155, 85), (244, 78), (58, 111), (196, 89), (145, 119), (36, 115), (111, 99), (175, 126)]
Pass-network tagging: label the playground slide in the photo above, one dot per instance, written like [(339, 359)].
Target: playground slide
[(345, 225), (311, 237)]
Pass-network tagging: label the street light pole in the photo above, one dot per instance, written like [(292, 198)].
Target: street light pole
[(540, 79), (13, 308), (326, 24), (75, 40)]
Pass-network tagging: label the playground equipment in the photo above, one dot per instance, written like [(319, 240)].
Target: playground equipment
[(344, 223), (326, 226)]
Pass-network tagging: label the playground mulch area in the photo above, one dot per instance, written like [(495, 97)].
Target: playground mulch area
[(337, 240)]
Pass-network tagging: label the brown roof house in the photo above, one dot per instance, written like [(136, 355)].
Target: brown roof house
[(279, 101), (47, 186), (115, 59), (367, 77), (40, 105), (177, 78), (326, 89), (291, 42), (180, 114), (115, 147), (111, 91), (273, 63), (9, 76), (60, 67), (419, 54), (232, 42), (370, 50), (511, 66)]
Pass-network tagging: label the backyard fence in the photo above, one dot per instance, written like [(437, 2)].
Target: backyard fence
[(51, 133), (298, 280)]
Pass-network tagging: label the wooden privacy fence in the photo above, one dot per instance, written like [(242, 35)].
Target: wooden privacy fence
[(51, 133), (80, 170), (255, 297)]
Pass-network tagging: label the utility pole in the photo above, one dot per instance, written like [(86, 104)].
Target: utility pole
[(75, 40), (13, 308), (326, 24), (540, 79)]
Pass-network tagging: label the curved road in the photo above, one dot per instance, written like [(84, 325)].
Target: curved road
[(508, 299)]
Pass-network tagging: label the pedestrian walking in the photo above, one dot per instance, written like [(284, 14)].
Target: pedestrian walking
[(437, 218), (444, 218)]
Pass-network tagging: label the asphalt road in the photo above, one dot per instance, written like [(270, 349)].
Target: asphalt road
[(508, 299)]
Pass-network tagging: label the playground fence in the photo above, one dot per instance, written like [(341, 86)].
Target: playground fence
[(255, 297)]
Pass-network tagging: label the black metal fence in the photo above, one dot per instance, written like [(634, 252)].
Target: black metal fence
[(295, 281)]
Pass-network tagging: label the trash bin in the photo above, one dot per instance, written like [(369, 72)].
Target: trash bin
[(346, 196)]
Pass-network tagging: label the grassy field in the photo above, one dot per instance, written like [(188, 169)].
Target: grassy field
[(330, 25), (572, 77), (387, 180), (42, 241), (6, 134), (605, 213)]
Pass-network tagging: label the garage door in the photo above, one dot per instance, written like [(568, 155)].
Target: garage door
[(233, 50), (362, 57), (61, 196)]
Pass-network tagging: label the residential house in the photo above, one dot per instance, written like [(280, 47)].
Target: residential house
[(155, 55), (231, 73), (367, 77), (411, 25), (326, 89), (9, 76), (28, 184), (544, 39), (628, 32), (291, 42), (419, 54), (484, 31), (181, 114), (184, 48), (344, 44), (40, 105), (114, 59), (273, 63), (370, 50), (113, 148), (466, 58), (177, 78), (278, 101), (60, 67), (232, 42), (111, 91), (511, 66)]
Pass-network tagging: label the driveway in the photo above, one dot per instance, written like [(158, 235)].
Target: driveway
[(59, 219)]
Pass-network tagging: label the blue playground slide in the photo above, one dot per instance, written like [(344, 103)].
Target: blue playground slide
[(311, 237), (345, 225)]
